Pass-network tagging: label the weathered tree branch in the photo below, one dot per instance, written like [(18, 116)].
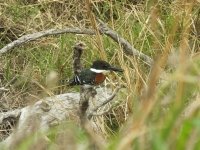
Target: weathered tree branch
[(85, 94), (15, 114), (78, 50), (103, 28), (48, 112), (109, 99), (127, 47), (43, 114), (37, 35)]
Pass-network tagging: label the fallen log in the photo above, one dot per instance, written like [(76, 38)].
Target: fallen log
[(52, 111)]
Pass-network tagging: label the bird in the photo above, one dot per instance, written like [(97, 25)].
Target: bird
[(95, 75)]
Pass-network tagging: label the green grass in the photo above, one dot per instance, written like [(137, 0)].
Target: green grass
[(161, 30)]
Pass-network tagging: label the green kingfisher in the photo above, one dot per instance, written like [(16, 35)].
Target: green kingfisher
[(94, 75)]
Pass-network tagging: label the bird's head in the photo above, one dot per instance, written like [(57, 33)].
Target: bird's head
[(100, 66)]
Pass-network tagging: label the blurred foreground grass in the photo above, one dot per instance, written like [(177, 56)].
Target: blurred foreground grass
[(160, 107)]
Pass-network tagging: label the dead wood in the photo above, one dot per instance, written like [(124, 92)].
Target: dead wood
[(49, 112), (37, 35), (103, 28), (127, 47)]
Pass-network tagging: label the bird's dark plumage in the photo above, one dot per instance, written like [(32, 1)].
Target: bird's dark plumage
[(103, 65), (94, 75), (86, 77)]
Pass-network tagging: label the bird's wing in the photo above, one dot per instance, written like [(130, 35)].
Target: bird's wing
[(85, 77)]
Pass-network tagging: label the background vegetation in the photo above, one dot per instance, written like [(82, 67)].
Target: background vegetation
[(159, 108)]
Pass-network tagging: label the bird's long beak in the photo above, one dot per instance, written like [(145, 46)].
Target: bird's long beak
[(116, 69)]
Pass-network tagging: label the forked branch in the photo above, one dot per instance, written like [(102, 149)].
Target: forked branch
[(94, 110)]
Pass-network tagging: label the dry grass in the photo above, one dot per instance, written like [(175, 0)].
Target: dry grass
[(154, 104)]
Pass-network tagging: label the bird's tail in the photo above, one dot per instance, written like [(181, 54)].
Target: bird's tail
[(74, 81)]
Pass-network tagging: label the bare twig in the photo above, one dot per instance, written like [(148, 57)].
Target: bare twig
[(78, 50), (105, 111), (127, 47), (104, 102), (85, 93), (77, 67), (37, 35)]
